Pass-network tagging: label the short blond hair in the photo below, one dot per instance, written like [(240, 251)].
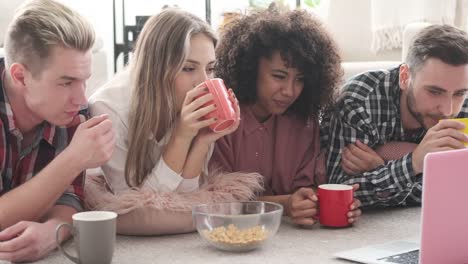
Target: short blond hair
[(40, 25)]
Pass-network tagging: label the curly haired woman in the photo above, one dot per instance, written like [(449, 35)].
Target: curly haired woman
[(283, 67)]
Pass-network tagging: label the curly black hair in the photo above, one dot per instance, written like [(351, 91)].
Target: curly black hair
[(303, 43)]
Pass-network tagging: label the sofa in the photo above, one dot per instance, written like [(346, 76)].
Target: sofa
[(349, 22), (351, 68)]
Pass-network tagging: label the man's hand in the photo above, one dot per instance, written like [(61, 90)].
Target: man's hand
[(93, 142), (27, 241), (358, 158), (441, 137), (302, 206)]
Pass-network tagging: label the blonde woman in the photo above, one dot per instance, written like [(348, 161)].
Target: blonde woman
[(163, 144)]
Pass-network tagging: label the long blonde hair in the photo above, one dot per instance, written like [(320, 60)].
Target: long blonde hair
[(161, 50)]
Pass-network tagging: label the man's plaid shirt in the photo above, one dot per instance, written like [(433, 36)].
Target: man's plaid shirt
[(18, 166), (368, 109)]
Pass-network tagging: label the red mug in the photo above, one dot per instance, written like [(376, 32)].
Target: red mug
[(225, 113), (334, 203)]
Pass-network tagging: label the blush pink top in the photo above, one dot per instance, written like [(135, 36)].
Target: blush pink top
[(283, 149)]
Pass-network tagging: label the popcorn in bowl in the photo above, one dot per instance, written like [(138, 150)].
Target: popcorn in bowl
[(237, 226)]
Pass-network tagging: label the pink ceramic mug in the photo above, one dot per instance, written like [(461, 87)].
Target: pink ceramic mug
[(225, 114)]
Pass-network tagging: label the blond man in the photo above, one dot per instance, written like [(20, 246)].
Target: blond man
[(45, 142)]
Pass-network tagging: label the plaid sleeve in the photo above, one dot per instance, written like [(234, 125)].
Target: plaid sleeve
[(74, 195), (388, 185), (464, 110)]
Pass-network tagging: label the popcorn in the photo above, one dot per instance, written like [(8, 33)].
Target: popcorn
[(232, 236)]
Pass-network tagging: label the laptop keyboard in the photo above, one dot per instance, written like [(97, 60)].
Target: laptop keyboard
[(410, 257)]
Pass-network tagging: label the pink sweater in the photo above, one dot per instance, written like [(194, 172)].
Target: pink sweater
[(283, 149)]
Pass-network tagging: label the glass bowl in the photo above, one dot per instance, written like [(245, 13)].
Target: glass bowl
[(237, 226)]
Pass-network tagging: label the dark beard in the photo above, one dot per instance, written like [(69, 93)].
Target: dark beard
[(410, 103)]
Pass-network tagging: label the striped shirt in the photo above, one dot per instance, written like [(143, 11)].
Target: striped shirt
[(368, 110), (18, 165)]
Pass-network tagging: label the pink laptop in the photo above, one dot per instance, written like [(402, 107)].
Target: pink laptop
[(444, 219)]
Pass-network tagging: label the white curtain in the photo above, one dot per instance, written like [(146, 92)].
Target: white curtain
[(390, 17), (461, 18)]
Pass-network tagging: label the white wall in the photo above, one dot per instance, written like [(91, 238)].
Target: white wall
[(345, 25), (99, 12), (7, 9), (350, 24), (348, 21)]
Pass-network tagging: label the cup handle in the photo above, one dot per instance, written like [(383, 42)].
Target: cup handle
[(317, 215), (57, 232)]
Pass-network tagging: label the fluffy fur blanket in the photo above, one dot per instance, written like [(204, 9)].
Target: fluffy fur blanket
[(148, 212)]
